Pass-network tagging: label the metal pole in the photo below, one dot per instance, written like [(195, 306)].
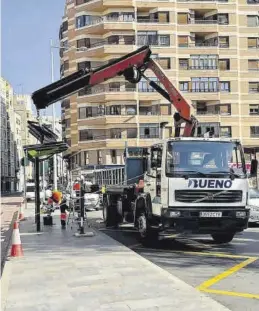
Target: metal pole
[(25, 181), (126, 156), (53, 120), (37, 184)]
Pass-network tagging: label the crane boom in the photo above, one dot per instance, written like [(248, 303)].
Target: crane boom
[(132, 66)]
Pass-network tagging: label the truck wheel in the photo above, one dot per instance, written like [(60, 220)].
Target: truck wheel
[(109, 215), (221, 238), (148, 236)]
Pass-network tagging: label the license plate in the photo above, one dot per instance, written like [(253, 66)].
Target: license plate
[(211, 214)]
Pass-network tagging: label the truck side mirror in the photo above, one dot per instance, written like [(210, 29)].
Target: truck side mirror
[(253, 170)]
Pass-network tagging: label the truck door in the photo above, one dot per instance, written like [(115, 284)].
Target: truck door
[(153, 179)]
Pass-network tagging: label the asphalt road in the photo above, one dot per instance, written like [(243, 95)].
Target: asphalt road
[(228, 273)]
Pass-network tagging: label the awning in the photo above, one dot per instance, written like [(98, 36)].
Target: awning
[(44, 151), (41, 132)]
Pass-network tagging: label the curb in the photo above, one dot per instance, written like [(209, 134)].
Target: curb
[(166, 274), (8, 241), (5, 282)]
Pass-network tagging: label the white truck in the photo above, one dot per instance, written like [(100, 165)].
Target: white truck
[(190, 186)]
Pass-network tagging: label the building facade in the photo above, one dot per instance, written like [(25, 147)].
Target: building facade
[(11, 141), (209, 49), (23, 107)]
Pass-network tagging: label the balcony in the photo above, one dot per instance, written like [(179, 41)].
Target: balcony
[(100, 25), (98, 48)]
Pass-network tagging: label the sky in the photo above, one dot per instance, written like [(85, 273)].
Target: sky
[(27, 27)]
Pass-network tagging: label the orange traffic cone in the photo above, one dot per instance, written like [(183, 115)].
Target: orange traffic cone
[(16, 250), (21, 214)]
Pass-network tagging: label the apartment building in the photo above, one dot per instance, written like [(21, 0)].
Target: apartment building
[(11, 142), (23, 107), (209, 49)]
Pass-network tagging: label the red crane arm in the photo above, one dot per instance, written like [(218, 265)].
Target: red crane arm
[(132, 66)]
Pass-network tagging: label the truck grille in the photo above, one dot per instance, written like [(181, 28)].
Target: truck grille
[(212, 196)]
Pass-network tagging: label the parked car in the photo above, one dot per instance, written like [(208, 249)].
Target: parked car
[(253, 203)]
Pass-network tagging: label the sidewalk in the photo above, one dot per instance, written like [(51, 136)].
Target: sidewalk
[(60, 272)]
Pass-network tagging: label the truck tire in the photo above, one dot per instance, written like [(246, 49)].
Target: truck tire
[(148, 235), (110, 215), (221, 238)]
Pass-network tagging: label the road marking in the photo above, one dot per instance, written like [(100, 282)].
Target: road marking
[(205, 285), (222, 255), (117, 230), (236, 294)]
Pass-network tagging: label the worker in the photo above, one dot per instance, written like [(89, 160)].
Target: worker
[(63, 214)]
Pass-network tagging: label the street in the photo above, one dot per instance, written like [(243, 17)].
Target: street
[(227, 273)]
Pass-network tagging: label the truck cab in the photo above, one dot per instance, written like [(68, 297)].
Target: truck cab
[(198, 185)]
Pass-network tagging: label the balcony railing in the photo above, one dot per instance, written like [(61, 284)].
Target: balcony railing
[(105, 89), (212, 90), (102, 43), (202, 67), (151, 21), (204, 21)]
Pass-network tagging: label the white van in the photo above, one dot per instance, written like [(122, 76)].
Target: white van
[(30, 192)]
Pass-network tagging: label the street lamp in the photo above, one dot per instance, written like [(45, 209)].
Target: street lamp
[(53, 106)]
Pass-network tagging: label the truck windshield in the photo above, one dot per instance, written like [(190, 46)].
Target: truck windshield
[(204, 158)]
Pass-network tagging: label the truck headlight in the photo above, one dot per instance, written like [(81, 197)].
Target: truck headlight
[(175, 214), (241, 214)]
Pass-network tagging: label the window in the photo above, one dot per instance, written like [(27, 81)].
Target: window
[(204, 85), (164, 62), (252, 20), (183, 63), (225, 86), (224, 109), (253, 64), (85, 135), (202, 62), (66, 65), (147, 38), (182, 18), (131, 110), (254, 109), (144, 85), (114, 110), (223, 19), (84, 65), (85, 112), (149, 130), (183, 41), (114, 156), (132, 133), (224, 64), (223, 42), (86, 157), (254, 131), (184, 86), (83, 43), (99, 157), (253, 87), (116, 133), (253, 43), (65, 26), (225, 131), (78, 2)]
